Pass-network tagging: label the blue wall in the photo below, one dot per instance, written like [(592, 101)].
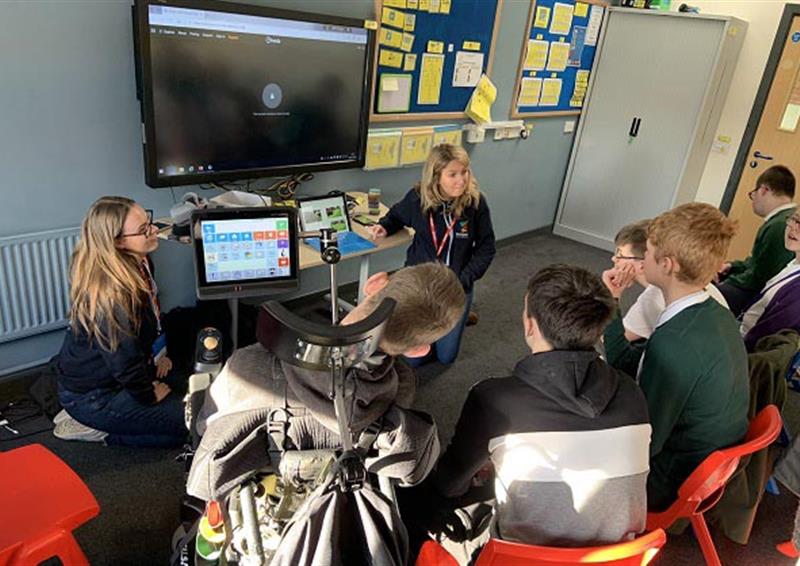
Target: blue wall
[(69, 133)]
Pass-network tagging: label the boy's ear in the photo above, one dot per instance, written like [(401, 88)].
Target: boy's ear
[(375, 283), (418, 351), (672, 265), (530, 325)]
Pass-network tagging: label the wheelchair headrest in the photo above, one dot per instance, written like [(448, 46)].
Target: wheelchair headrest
[(309, 345)]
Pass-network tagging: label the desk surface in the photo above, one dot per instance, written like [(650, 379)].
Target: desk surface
[(309, 257)]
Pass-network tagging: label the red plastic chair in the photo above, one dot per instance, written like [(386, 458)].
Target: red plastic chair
[(705, 486), (41, 502), (637, 552), (433, 554)]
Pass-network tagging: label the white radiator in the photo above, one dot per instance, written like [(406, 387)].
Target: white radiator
[(34, 287)]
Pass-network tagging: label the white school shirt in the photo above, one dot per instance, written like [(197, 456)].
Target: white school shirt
[(771, 288), (642, 317), (673, 310)]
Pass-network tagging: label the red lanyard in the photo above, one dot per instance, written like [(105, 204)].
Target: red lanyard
[(448, 233)]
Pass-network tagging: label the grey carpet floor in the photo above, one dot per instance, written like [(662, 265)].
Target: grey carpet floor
[(138, 489)]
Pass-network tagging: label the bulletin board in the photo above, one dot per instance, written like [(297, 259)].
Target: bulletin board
[(420, 41), (556, 57)]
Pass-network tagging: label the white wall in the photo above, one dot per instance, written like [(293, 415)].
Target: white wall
[(763, 17)]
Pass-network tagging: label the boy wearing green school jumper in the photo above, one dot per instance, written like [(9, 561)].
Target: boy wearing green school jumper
[(693, 369), (772, 198)]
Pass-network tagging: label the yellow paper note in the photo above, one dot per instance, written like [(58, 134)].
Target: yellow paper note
[(581, 9), (395, 3), (581, 84), (410, 62), (383, 149), (433, 6), (542, 17), (444, 6), (447, 134), (370, 24), (551, 92), (389, 84), (471, 46), (435, 47), (390, 59), (559, 54), (424, 5), (416, 145), (529, 92), (536, 57), (412, 4), (430, 80), (391, 17), (562, 19), (479, 107), (390, 38), (578, 94), (410, 22), (408, 42)]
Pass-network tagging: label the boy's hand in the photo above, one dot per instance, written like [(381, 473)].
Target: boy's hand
[(161, 390), (617, 280), (163, 367), (377, 232)]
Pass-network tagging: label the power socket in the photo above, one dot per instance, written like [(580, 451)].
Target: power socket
[(475, 133)]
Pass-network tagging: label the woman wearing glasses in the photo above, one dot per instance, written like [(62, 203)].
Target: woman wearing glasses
[(113, 360), (777, 306)]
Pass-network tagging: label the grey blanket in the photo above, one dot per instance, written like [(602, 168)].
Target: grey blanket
[(236, 442)]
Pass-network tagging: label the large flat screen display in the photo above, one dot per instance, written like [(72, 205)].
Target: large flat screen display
[(233, 91)]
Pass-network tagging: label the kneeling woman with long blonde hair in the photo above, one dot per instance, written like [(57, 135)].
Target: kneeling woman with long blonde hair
[(113, 360)]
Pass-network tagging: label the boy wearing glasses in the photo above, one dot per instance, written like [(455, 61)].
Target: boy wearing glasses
[(642, 317), (772, 200), (777, 306), (693, 368)]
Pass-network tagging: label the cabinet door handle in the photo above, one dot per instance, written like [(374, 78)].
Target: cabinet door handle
[(759, 155), (634, 131)]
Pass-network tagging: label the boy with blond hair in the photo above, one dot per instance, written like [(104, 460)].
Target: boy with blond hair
[(628, 259), (693, 370)]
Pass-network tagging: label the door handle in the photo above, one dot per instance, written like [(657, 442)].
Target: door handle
[(759, 155), (634, 131)]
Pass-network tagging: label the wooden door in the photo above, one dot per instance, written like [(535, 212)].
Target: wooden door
[(777, 140)]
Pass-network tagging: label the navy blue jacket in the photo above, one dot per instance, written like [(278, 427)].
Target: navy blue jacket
[(472, 247), (84, 366)]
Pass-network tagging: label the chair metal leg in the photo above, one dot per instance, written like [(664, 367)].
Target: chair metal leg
[(705, 540)]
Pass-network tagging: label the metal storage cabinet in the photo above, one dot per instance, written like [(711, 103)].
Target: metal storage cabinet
[(663, 77)]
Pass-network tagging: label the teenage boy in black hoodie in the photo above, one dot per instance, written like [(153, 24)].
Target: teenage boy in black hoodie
[(567, 435)]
